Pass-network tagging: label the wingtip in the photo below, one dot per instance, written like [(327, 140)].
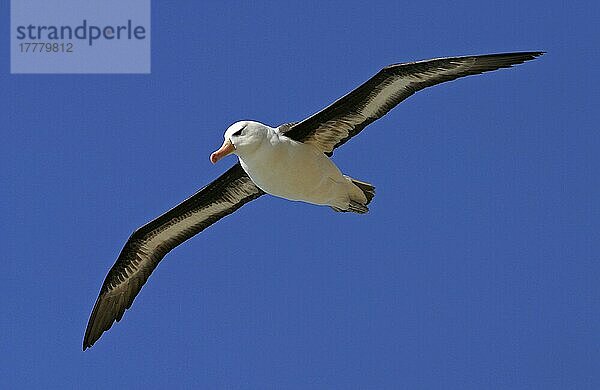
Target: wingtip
[(89, 341), (528, 56), (524, 55), (86, 343), (536, 54)]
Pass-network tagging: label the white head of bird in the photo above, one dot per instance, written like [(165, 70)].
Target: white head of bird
[(241, 138)]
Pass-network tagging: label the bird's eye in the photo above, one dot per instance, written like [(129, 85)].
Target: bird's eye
[(239, 132)]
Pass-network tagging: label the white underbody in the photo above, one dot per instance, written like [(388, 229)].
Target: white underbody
[(293, 170)]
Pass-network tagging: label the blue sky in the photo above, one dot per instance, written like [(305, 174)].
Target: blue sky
[(477, 266)]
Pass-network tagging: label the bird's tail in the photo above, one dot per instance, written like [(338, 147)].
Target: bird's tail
[(367, 188), (361, 194)]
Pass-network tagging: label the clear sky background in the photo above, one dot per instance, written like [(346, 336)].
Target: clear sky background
[(477, 266)]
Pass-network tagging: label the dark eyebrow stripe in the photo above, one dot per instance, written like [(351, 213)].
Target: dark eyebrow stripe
[(240, 130)]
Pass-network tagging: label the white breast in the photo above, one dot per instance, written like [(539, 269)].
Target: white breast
[(295, 171)]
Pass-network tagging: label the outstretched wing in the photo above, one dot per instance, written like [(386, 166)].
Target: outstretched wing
[(345, 118), (149, 244)]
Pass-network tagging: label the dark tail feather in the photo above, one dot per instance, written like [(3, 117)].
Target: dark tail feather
[(367, 188), (354, 207), (357, 207)]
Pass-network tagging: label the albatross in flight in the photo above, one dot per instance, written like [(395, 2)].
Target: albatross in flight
[(290, 161)]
